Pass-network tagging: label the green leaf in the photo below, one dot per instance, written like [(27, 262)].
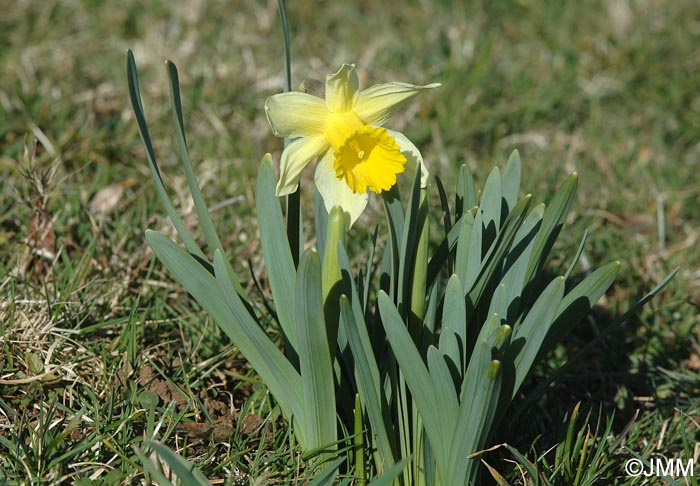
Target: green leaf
[(407, 250), (466, 191), (476, 249), (450, 348), (135, 96), (511, 179), (202, 212), (269, 362), (518, 260), (221, 301), (454, 317), (184, 470), (446, 219), (314, 355), (443, 251), (321, 222), (328, 475), (444, 384), (576, 257), (491, 198), (552, 222), (579, 301), (388, 477), (479, 397), (530, 334), (417, 378), (277, 254), (369, 384), (494, 259), (395, 220), (463, 249)]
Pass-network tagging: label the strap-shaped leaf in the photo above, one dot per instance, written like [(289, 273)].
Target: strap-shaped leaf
[(454, 316), (395, 220), (369, 384), (321, 222), (491, 199), (314, 355), (479, 396), (213, 241), (552, 222), (186, 472), (476, 250), (417, 378), (529, 335), (579, 301), (330, 471), (464, 249), (444, 385), (443, 251), (275, 246), (224, 305), (511, 179), (446, 219), (494, 259), (135, 96), (517, 262), (409, 240), (466, 191), (576, 257)]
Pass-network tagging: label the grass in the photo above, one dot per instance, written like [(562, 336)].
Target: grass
[(100, 350)]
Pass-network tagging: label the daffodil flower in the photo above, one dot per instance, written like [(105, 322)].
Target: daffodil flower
[(357, 154)]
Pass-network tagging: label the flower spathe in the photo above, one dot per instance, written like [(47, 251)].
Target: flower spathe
[(345, 130)]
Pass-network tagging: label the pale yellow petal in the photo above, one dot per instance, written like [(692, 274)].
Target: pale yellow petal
[(414, 159), (375, 105), (336, 192), (342, 89), (296, 114), (294, 158)]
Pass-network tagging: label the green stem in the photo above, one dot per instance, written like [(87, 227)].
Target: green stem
[(293, 200)]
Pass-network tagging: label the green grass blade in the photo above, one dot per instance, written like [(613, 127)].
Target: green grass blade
[(151, 469), (135, 96), (314, 355), (183, 469), (278, 256), (327, 477)]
